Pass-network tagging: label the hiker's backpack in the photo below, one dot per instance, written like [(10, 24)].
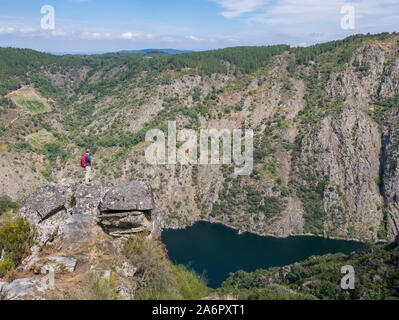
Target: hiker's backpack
[(83, 161)]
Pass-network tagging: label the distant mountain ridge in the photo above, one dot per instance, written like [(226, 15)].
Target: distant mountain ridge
[(168, 51), (143, 51)]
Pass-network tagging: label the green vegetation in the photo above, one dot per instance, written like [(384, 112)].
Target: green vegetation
[(16, 238), (6, 203), (381, 105), (162, 279), (101, 287), (319, 277), (236, 197), (245, 59), (29, 99)]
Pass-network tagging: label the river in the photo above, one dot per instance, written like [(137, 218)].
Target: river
[(218, 250)]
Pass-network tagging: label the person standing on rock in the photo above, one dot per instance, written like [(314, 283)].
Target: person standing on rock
[(88, 165)]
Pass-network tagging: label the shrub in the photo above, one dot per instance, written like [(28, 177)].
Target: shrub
[(5, 266), (191, 285), (6, 203), (277, 292), (16, 238), (154, 268), (102, 288), (161, 279)]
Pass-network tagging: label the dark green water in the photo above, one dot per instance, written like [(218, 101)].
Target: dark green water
[(218, 250)]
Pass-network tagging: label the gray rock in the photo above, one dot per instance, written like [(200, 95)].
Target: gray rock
[(126, 291), (390, 169), (24, 289), (87, 198), (157, 220), (130, 196), (47, 208), (127, 270), (29, 263), (77, 229), (126, 223), (46, 201), (68, 210), (345, 149), (3, 293), (59, 264), (123, 220), (48, 230)]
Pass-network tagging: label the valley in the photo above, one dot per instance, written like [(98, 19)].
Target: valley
[(324, 120)]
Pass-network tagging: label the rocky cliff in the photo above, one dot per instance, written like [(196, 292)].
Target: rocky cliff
[(79, 229)]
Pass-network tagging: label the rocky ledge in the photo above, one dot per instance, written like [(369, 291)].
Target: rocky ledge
[(68, 209), (80, 230)]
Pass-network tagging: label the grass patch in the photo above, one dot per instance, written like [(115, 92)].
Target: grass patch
[(101, 287), (40, 139), (29, 99)]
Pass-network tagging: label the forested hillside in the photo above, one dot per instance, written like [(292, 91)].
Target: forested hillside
[(319, 277), (324, 117)]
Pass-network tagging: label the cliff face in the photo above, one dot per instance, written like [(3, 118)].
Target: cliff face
[(390, 171), (344, 151), (325, 143)]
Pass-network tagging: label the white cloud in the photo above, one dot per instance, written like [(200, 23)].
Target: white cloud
[(193, 38), (314, 21), (58, 33), (6, 30), (169, 39), (235, 8), (235, 41), (129, 35), (92, 35), (27, 30)]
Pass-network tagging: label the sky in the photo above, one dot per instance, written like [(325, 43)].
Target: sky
[(112, 25)]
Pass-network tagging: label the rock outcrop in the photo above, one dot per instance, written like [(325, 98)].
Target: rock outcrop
[(69, 210), (23, 289), (131, 196), (79, 228), (126, 209), (390, 171)]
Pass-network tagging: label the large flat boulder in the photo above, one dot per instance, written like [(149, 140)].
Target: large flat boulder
[(59, 264), (48, 200), (24, 289), (87, 198), (130, 196)]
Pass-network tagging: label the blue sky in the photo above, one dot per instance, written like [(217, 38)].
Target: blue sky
[(105, 25)]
